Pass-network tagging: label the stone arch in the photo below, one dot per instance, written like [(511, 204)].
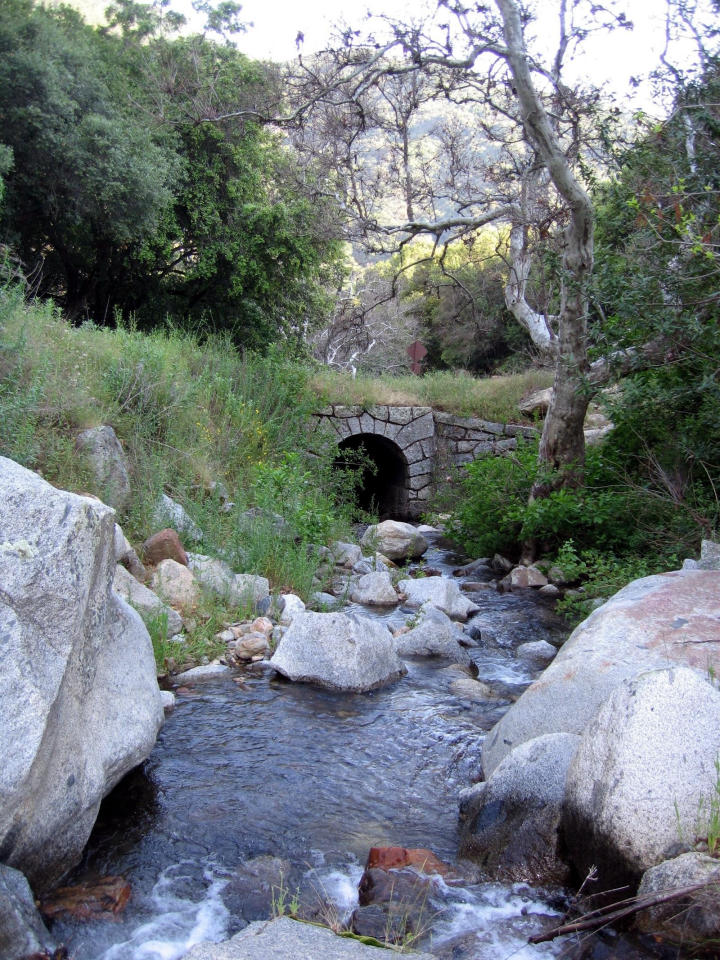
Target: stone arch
[(383, 486), (410, 433)]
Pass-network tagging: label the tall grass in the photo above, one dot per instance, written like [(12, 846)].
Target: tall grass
[(490, 398), (189, 415)]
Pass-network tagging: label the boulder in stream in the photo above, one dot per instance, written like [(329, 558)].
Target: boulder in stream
[(286, 939), (22, 931), (643, 775), (656, 622), (438, 592), (509, 825), (692, 920), (338, 651), (80, 701), (375, 590), (434, 635), (395, 540)]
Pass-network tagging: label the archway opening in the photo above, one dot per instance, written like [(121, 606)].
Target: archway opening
[(383, 485)]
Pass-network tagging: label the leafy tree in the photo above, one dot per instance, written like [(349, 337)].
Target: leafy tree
[(657, 275), (88, 179), (123, 199)]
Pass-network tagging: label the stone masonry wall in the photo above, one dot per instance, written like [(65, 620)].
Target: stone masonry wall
[(429, 440)]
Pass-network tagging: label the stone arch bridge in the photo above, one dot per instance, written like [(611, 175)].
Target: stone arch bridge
[(411, 447)]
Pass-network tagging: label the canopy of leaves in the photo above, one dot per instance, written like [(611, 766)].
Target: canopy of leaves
[(658, 276), (121, 198)]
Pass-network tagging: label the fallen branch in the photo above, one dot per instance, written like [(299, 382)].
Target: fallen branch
[(614, 912)]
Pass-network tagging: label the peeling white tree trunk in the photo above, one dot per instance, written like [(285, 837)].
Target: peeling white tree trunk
[(538, 325), (562, 445)]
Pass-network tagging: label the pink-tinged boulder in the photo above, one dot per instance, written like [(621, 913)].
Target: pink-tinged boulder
[(660, 621)]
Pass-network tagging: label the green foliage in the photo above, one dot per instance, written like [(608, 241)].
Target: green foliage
[(657, 275), (122, 199), (602, 575), (188, 415), (457, 294)]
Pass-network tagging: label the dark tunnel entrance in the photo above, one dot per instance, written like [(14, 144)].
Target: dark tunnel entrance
[(383, 486)]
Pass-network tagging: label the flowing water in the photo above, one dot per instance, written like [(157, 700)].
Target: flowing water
[(265, 767)]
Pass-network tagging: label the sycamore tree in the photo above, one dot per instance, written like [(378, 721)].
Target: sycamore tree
[(513, 144)]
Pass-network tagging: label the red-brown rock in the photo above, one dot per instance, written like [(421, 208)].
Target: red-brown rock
[(392, 858), (164, 545), (88, 901)]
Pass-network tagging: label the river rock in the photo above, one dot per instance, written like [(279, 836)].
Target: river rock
[(286, 939), (338, 651), (238, 589), (394, 539), (126, 555), (652, 623), (438, 592), (206, 671), (252, 645), (375, 564), (324, 601), (433, 636), (164, 545), (511, 825), (474, 690), (375, 590), (148, 604), (175, 584), (108, 463), (644, 767), (169, 513), (538, 652), (168, 700), (692, 920), (80, 701), (392, 904), (256, 886), (527, 577), (22, 931), (345, 554), (290, 606)]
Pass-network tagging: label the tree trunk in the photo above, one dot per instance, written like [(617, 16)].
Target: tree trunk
[(562, 446)]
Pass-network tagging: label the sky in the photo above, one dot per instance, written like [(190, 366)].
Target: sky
[(610, 59)]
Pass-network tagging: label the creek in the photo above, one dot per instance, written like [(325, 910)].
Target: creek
[(265, 767)]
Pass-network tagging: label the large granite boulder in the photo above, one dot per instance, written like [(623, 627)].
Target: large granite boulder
[(338, 651), (108, 463), (438, 592), (286, 939), (395, 540), (643, 775), (509, 825), (652, 623), (22, 931), (80, 701)]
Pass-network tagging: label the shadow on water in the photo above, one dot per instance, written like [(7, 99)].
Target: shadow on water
[(316, 778)]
